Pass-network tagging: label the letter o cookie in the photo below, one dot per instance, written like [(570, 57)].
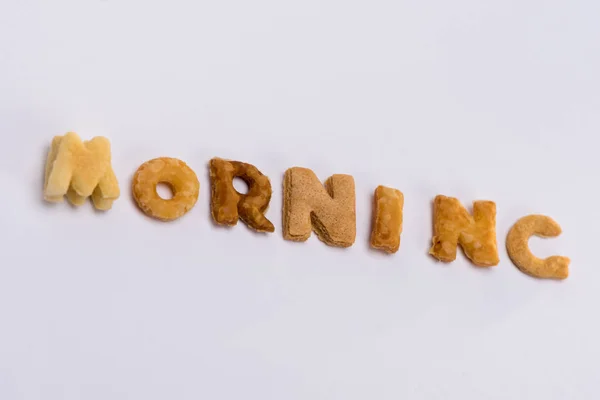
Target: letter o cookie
[(175, 173)]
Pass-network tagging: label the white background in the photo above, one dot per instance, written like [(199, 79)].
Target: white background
[(474, 99)]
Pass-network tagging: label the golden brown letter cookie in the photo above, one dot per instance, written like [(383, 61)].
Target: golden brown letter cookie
[(79, 170), (556, 267), (330, 211), (387, 219), (453, 225), (227, 205), (177, 175)]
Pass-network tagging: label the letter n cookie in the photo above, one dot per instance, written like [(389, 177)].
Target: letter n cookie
[(329, 211), (476, 234)]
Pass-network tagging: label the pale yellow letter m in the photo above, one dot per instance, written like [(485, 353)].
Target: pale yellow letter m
[(79, 170)]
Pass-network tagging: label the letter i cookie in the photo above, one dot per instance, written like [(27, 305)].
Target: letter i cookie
[(387, 219)]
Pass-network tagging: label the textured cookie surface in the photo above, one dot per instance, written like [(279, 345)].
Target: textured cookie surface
[(387, 219), (173, 172), (227, 204), (78, 170), (329, 211), (453, 225), (554, 267)]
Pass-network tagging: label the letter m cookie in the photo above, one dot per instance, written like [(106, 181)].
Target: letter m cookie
[(79, 170)]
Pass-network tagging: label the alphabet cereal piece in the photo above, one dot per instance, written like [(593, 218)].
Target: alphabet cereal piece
[(330, 211), (175, 173), (78, 170), (387, 219), (554, 267), (453, 225), (227, 205)]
